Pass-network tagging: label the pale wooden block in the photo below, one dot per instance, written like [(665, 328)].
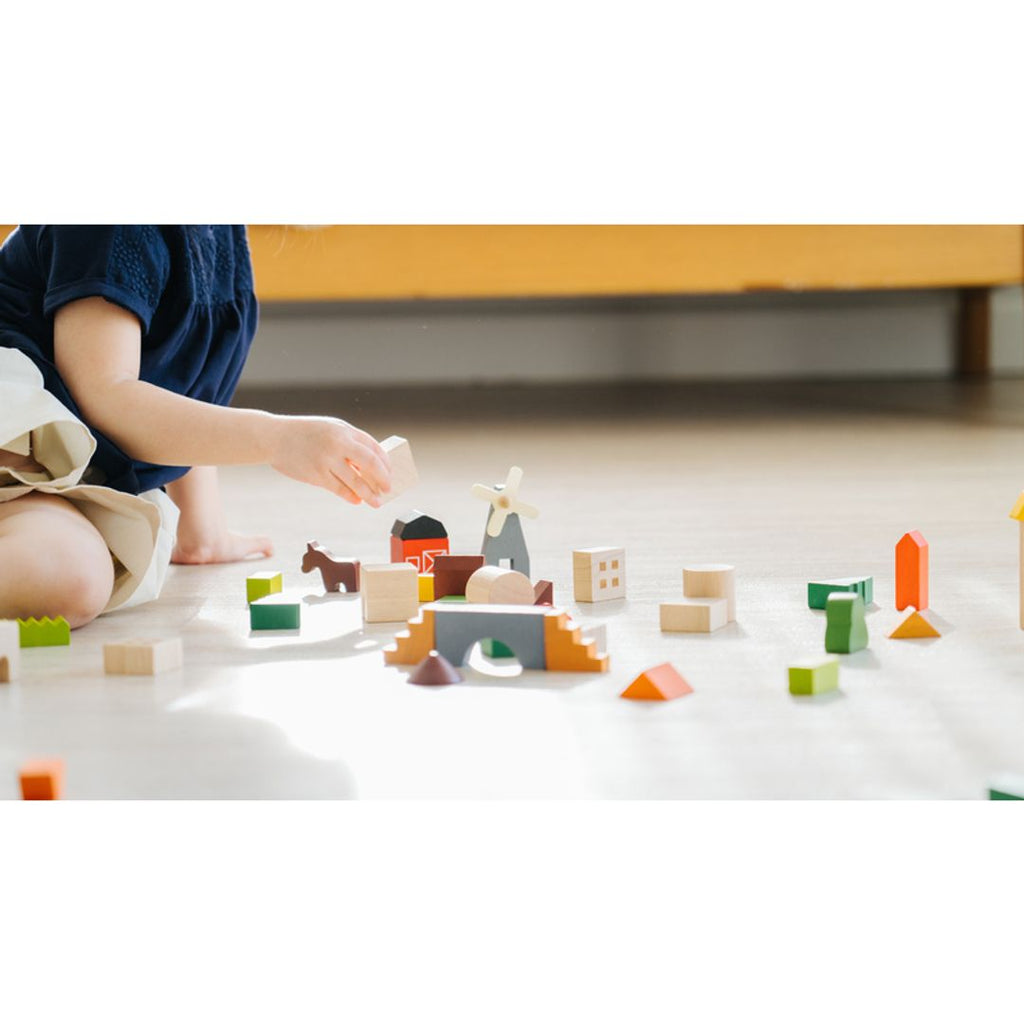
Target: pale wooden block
[(390, 592), (492, 584), (142, 657), (711, 581), (10, 650), (598, 574), (694, 615), (403, 470)]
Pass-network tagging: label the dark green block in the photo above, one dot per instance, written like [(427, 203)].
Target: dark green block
[(496, 649), (274, 614), (817, 592), (846, 629)]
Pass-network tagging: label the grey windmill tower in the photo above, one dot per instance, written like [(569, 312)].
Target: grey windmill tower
[(503, 537)]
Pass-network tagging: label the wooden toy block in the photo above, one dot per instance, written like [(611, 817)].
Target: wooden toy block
[(418, 539), (425, 582), (598, 574), (1017, 512), (403, 470), (390, 592), (503, 534), (818, 675), (1006, 787), (493, 585), (42, 779), (44, 632), (915, 626), (496, 649), (544, 592), (694, 615), (263, 584), (10, 650), (846, 629), (817, 592), (275, 612), (142, 657), (663, 682), (912, 572), (566, 649), (541, 638), (413, 644), (435, 670), (335, 573), (452, 572), (712, 580)]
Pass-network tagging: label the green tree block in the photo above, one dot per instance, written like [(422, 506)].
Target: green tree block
[(262, 584), (810, 677), (496, 649), (817, 592), (1006, 787), (44, 632), (846, 629), (273, 613)]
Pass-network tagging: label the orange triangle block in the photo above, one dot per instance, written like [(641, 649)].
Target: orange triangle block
[(662, 682), (915, 626)]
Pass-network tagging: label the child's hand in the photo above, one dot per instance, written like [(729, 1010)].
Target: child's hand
[(334, 455)]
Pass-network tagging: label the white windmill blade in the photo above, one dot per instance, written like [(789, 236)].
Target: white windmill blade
[(520, 508), (487, 493), (496, 522), (512, 482)]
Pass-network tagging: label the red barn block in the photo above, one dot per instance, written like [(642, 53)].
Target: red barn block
[(912, 571), (418, 539)]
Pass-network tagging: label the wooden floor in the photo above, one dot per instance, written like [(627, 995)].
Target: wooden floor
[(787, 481)]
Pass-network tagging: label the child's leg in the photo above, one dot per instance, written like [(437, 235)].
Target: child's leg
[(53, 561)]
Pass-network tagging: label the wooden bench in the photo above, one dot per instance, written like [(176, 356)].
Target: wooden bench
[(405, 262)]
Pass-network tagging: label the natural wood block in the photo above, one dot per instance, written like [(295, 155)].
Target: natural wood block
[(694, 615), (404, 474), (390, 592), (599, 574), (491, 584), (42, 779), (142, 657), (10, 650), (712, 580)]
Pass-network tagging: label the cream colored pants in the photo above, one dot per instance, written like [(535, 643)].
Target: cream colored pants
[(139, 529)]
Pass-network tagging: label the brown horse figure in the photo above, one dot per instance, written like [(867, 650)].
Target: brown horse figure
[(333, 571)]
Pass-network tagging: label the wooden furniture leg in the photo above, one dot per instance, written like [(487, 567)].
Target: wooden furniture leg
[(973, 333)]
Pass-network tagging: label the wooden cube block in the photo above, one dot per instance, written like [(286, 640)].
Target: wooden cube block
[(404, 474), (817, 675), (42, 780), (694, 615), (390, 592), (142, 657), (10, 650), (712, 581), (599, 574), (275, 612), (262, 584)]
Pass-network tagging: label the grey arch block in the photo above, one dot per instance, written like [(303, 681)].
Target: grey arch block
[(520, 627)]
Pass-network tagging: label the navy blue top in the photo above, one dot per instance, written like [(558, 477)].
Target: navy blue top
[(189, 285)]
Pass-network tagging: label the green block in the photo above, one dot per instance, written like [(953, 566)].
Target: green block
[(274, 613), (846, 629), (454, 598), (44, 632), (809, 677), (262, 584), (1006, 787), (817, 592), (496, 649)]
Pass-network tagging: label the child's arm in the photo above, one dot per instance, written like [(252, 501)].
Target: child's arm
[(203, 534), (97, 347)]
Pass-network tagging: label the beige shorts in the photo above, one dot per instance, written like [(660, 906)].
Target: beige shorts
[(139, 529)]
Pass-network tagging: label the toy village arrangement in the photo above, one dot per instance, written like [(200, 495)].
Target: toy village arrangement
[(448, 602)]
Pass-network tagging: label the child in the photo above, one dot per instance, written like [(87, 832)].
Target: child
[(120, 348)]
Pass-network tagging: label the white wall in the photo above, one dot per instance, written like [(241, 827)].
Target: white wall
[(823, 335)]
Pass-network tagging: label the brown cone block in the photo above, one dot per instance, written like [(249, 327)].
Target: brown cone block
[(435, 670)]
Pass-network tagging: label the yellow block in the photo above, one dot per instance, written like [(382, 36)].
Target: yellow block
[(426, 580), (915, 626)]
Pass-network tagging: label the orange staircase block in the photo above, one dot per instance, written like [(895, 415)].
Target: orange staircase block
[(566, 651), (412, 645), (663, 682)]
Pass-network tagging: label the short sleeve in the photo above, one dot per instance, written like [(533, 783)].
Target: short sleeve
[(128, 264)]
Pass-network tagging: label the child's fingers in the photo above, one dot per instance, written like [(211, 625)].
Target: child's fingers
[(372, 469), (339, 487)]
